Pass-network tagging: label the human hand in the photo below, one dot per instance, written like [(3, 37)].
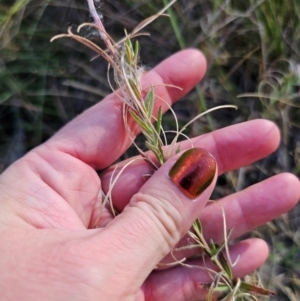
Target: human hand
[(50, 201)]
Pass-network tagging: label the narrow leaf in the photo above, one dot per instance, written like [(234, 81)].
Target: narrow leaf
[(141, 123), (136, 51), (159, 120), (197, 226), (251, 288), (151, 147), (214, 247), (156, 152), (135, 88), (225, 265), (162, 153), (128, 42), (149, 102), (128, 52)]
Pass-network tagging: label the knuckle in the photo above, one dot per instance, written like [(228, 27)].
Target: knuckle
[(163, 214)]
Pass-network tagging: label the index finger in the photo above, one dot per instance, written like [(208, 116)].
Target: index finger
[(98, 136)]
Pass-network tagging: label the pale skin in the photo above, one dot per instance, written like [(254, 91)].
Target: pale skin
[(50, 200)]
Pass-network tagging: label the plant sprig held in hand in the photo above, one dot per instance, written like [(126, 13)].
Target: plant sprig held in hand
[(123, 58)]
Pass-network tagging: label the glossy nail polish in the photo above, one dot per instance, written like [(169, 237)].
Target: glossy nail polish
[(193, 172)]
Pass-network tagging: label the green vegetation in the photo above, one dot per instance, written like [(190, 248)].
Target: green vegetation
[(253, 53)]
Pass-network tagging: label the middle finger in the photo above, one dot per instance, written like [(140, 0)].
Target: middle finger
[(233, 147)]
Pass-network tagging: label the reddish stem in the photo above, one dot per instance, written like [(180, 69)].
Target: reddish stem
[(99, 23)]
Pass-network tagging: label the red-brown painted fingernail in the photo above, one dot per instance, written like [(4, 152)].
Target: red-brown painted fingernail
[(193, 172)]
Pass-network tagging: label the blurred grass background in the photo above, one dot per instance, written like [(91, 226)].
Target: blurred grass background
[(253, 53)]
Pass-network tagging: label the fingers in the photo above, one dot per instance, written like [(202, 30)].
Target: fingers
[(233, 147), (98, 136), (188, 283), (158, 215), (252, 207), (244, 211), (64, 166)]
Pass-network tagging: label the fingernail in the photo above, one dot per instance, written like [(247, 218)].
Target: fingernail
[(193, 172)]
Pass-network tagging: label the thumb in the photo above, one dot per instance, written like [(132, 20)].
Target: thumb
[(159, 214)]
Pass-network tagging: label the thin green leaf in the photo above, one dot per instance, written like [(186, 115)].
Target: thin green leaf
[(251, 288), (141, 123), (225, 265), (214, 247), (130, 45), (135, 89), (156, 152), (161, 151), (128, 53), (159, 120), (136, 51), (152, 147), (149, 102), (197, 226)]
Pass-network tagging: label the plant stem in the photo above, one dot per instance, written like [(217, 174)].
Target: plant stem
[(99, 23)]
